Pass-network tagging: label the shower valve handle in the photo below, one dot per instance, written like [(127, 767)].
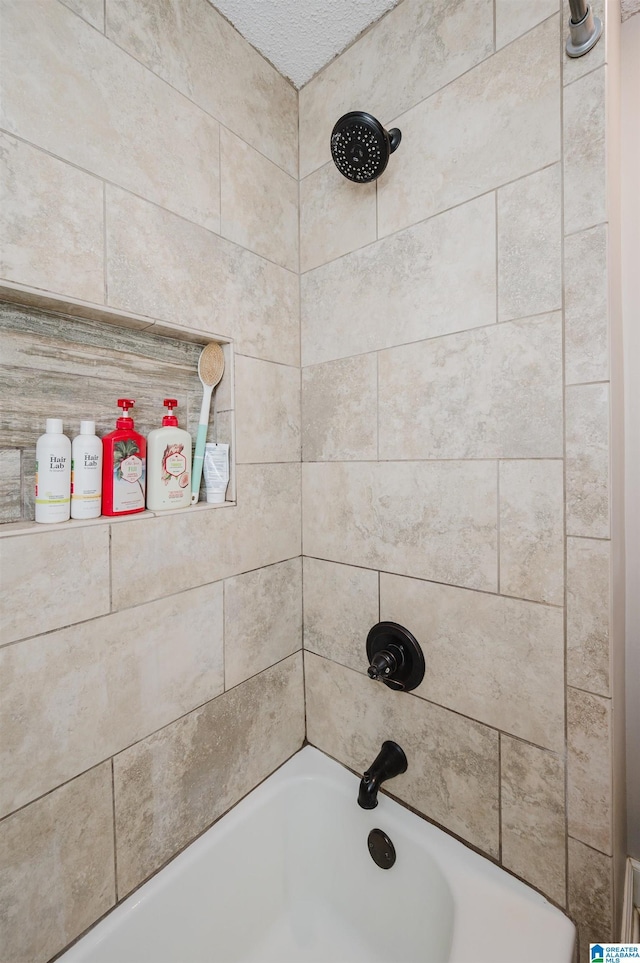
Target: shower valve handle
[(385, 663), (394, 657)]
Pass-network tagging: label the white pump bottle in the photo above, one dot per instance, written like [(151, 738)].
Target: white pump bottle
[(169, 452)]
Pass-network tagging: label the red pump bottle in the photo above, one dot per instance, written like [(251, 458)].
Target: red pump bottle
[(123, 466)]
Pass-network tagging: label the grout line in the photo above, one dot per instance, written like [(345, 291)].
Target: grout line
[(152, 203), (591, 538), (588, 73), (224, 634), (105, 253), (304, 693), (163, 80), (115, 844), (377, 407), (251, 357), (446, 210), (110, 551), (303, 649), (500, 734), (416, 578), (598, 695), (585, 384), (498, 520), (564, 479), (495, 27), (497, 236), (416, 461), (148, 735), (445, 708), (220, 181), (490, 325), (585, 230), (594, 850), (150, 601)]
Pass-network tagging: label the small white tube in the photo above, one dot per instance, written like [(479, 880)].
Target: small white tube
[(216, 472)]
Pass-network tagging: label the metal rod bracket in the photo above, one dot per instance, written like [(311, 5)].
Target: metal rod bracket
[(583, 34)]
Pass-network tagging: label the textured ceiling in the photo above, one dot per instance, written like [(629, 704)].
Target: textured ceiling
[(629, 7), (300, 36)]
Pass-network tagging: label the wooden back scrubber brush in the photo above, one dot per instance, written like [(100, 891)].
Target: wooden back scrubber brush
[(210, 371)]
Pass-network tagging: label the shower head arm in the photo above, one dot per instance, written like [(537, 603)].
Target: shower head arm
[(395, 136)]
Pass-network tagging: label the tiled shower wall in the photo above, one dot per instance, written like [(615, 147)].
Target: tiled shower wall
[(456, 432), (150, 667)]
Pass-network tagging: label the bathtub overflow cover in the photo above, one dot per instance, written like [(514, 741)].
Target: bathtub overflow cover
[(382, 850)]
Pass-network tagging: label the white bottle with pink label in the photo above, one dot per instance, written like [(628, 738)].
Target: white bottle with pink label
[(168, 464)]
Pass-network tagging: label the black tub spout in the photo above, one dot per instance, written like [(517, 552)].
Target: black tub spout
[(390, 761)]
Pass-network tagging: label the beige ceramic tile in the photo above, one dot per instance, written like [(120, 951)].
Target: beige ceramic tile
[(496, 130), (57, 873), (10, 501), (51, 223), (262, 619), (590, 895), (267, 411), (515, 17), (589, 769), (530, 244), (416, 49), (226, 435), (198, 52), (340, 410), (50, 579), (588, 601), (437, 277), (586, 328), (340, 606), (76, 696), (224, 394), (262, 529), (533, 820), (431, 520), (478, 394), (112, 116), (191, 277), (349, 716), (587, 415), (575, 67), (532, 530), (497, 660), (584, 153), (173, 785), (259, 202), (90, 10), (336, 216)]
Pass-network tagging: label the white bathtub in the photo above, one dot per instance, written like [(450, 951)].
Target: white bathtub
[(286, 877)]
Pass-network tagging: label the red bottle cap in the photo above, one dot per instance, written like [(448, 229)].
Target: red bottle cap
[(125, 421), (170, 420)]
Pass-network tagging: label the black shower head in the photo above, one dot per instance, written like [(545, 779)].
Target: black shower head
[(360, 146)]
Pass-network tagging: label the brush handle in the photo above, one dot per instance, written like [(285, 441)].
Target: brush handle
[(198, 458)]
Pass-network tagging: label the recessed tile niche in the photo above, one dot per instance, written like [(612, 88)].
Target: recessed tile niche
[(57, 366)]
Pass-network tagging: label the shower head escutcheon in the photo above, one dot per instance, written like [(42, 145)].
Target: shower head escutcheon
[(360, 146)]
